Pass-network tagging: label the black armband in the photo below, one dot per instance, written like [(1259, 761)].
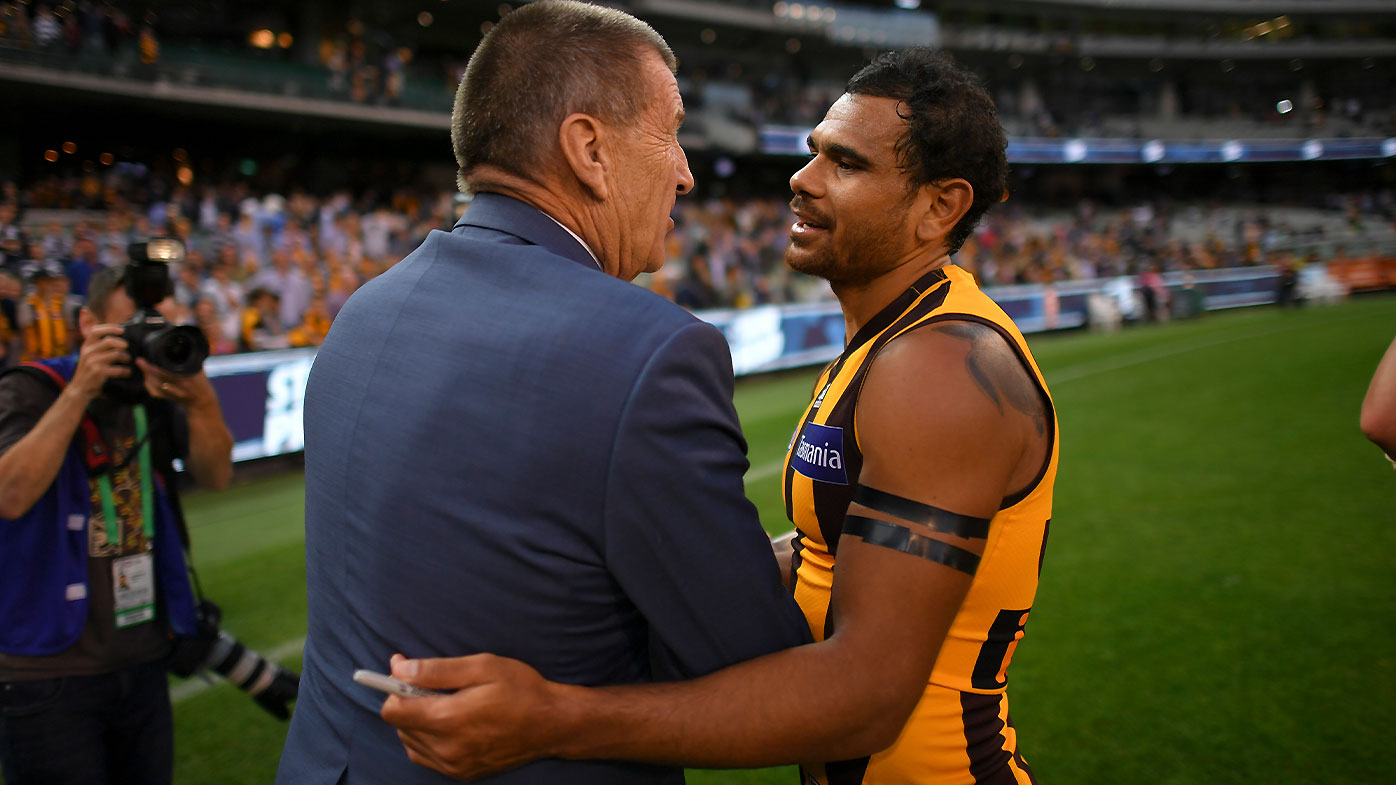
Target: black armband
[(900, 538), (965, 526)]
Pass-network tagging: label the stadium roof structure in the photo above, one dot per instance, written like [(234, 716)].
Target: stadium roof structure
[(1220, 6)]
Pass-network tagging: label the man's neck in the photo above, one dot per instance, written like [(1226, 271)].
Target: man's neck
[(565, 211), (861, 302)]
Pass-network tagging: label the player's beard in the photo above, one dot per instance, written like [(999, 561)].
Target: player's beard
[(864, 250)]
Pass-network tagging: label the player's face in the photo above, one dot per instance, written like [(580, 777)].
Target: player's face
[(652, 171), (852, 202)]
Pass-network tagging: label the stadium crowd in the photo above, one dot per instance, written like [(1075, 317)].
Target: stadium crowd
[(267, 271), (377, 63)]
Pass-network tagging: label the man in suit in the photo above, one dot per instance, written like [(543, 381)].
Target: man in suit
[(509, 447), (920, 482)]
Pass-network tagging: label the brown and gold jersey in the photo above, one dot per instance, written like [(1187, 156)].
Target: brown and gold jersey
[(47, 336), (959, 731)]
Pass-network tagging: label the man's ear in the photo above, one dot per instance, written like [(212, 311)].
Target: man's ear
[(943, 203), (581, 139), (86, 321)]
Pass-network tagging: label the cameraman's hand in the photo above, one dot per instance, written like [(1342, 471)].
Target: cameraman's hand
[(189, 391), (102, 356), (284, 688)]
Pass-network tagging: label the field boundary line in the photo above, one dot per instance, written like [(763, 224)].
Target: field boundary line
[(198, 685), (1096, 367), (1085, 370)]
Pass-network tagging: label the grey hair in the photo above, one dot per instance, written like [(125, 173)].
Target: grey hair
[(542, 62)]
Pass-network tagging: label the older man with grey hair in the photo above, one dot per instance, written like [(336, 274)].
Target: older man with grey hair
[(509, 447)]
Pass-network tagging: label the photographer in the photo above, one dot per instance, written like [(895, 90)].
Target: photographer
[(92, 574)]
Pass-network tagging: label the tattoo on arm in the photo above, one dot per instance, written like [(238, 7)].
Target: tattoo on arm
[(997, 371)]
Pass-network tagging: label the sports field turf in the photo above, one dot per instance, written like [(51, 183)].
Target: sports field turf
[(1217, 600)]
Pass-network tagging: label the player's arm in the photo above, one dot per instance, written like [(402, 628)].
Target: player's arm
[(30, 465), (1379, 407), (938, 432)]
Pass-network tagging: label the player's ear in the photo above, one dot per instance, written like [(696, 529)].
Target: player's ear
[(941, 205), (581, 139)]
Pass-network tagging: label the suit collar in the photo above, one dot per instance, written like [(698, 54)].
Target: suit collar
[(526, 222)]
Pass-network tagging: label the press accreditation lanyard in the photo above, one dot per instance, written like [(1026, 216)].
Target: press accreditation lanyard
[(133, 577)]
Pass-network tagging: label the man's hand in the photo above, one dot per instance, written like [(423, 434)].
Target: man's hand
[(103, 356), (210, 443), (188, 391), (784, 549), (496, 720)]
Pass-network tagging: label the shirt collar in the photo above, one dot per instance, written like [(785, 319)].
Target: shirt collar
[(578, 238)]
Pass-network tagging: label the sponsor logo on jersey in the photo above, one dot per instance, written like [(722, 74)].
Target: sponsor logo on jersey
[(818, 454)]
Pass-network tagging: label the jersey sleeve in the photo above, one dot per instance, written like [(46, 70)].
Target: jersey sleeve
[(681, 538)]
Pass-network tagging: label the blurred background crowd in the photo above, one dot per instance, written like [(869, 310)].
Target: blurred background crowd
[(270, 271), (299, 150)]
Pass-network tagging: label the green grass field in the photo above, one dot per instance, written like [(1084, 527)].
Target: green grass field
[(1216, 604)]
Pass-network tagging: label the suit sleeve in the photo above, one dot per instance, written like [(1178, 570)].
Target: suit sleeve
[(682, 539)]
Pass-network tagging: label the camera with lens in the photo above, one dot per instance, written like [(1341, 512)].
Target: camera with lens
[(211, 649), (178, 349)]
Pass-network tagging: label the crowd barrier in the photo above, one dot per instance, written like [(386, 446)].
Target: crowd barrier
[(263, 393)]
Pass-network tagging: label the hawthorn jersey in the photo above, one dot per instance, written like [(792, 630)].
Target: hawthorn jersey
[(47, 335), (959, 732)]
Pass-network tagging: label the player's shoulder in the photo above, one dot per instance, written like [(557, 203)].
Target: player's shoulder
[(945, 348), (963, 369)]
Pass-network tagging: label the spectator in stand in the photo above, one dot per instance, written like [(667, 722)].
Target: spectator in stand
[(13, 243), (53, 243), (343, 284), (224, 294), (83, 264), (290, 285), (43, 317), (10, 292), (261, 322), (47, 29), (314, 327), (188, 288), (206, 319)]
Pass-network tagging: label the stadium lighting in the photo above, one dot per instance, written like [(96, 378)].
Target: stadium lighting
[(1285, 106), (910, 5)]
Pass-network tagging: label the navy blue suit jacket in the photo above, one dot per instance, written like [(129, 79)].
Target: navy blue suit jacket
[(509, 451)]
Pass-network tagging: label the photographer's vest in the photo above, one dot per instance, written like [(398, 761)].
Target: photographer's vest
[(43, 553), (47, 336)]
